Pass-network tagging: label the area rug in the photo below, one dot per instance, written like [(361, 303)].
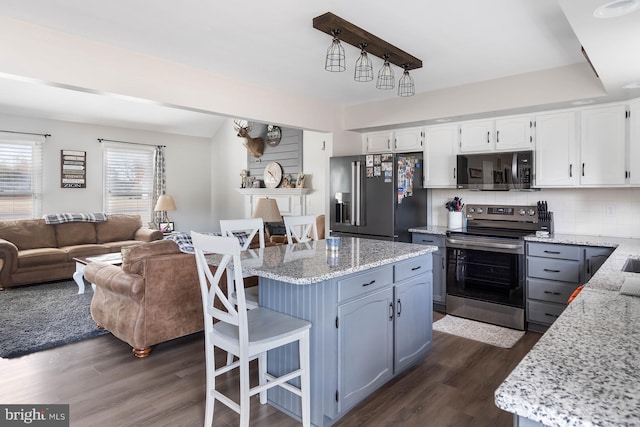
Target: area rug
[(39, 317), (478, 331)]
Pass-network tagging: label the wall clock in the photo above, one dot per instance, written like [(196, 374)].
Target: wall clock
[(272, 175), (274, 134)]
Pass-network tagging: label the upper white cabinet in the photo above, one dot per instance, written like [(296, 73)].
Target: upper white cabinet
[(502, 134), (408, 139), (603, 146), (401, 140), (514, 133), (440, 149), (476, 136), (634, 144), (556, 151), (378, 142)]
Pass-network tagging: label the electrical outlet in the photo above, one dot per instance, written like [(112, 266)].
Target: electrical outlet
[(610, 210)]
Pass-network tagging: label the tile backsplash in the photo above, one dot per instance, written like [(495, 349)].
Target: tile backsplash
[(611, 212)]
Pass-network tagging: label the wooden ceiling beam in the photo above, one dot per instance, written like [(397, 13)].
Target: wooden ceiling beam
[(355, 36)]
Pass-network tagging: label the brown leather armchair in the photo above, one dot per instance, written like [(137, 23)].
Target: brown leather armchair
[(153, 297)]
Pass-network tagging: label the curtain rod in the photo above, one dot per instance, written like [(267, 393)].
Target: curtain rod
[(101, 140), (27, 133)]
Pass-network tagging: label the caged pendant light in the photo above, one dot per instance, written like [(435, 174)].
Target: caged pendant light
[(335, 55), (364, 67), (405, 84), (386, 79), (369, 44)]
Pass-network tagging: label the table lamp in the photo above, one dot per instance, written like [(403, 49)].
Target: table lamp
[(267, 209), (165, 203)]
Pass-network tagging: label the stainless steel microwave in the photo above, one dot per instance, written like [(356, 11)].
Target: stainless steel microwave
[(496, 171)]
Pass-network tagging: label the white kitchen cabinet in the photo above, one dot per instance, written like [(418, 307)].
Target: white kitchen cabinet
[(603, 146), (440, 149), (405, 140), (634, 144), (378, 142), (400, 140), (514, 133), (556, 150), (477, 136)]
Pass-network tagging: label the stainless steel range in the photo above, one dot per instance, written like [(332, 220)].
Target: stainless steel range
[(486, 264)]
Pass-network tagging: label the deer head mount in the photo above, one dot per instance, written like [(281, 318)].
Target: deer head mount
[(254, 145)]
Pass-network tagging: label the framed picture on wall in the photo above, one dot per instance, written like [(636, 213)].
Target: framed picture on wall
[(73, 169)]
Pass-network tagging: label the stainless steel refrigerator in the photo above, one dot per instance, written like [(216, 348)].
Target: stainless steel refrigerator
[(378, 196)]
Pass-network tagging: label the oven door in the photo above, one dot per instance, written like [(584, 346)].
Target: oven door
[(485, 280)]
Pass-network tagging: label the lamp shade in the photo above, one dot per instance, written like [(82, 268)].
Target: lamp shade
[(165, 203), (267, 209)]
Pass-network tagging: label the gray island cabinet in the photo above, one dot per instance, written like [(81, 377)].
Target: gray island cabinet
[(370, 306)]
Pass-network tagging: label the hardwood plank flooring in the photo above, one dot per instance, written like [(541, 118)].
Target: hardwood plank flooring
[(106, 386)]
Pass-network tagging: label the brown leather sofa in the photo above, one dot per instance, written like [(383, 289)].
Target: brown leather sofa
[(32, 251), (153, 297)]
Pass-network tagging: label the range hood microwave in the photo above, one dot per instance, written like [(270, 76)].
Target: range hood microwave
[(496, 171)]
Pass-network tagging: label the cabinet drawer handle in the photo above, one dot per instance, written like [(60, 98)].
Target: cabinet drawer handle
[(583, 169), (370, 283), (552, 252), (487, 137), (416, 268), (552, 293), (551, 315), (399, 304), (427, 241), (570, 170), (551, 271), (390, 311)]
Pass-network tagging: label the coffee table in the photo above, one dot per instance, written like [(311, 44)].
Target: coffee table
[(112, 258)]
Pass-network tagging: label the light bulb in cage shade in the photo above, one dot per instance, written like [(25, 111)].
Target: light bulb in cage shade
[(386, 79), (406, 87), (335, 55), (364, 67)]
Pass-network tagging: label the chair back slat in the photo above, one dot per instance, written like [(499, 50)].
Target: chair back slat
[(301, 227), (251, 226), (229, 249)]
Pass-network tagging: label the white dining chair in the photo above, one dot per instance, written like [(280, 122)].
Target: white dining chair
[(302, 228), (253, 227), (248, 334)]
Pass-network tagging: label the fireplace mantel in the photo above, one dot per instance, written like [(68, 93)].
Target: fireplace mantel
[(291, 201)]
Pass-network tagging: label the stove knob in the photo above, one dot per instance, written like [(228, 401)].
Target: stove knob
[(521, 212), (531, 212), (479, 210), (471, 210)]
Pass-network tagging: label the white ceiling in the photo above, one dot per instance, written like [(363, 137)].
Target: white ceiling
[(272, 43)]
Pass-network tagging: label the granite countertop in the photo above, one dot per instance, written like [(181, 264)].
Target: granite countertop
[(310, 262), (585, 370)]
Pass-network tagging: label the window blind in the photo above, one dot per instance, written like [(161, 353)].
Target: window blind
[(20, 178), (128, 180)]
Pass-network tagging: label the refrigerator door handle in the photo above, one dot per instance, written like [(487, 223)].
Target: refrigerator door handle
[(354, 196), (358, 196)]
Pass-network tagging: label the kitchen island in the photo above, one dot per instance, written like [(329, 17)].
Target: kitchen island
[(585, 370), (370, 305)]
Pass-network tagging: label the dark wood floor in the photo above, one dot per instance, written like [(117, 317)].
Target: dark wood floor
[(106, 386)]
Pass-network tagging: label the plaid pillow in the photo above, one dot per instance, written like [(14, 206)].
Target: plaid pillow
[(183, 240)]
